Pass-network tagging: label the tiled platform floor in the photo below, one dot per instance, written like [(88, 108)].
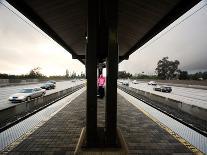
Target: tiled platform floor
[(60, 134)]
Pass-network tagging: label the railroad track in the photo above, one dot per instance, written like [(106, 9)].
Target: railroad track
[(133, 93), (179, 129)]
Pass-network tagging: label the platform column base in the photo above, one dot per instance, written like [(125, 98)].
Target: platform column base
[(120, 149)]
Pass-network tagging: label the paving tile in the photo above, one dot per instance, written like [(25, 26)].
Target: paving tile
[(60, 134)]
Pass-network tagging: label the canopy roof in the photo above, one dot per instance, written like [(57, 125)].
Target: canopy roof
[(138, 21)]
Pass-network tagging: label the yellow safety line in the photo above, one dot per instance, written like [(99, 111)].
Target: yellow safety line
[(175, 135)]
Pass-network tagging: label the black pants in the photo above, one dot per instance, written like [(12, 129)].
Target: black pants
[(101, 91)]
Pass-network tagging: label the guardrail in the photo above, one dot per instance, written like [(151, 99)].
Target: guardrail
[(13, 82), (18, 111)]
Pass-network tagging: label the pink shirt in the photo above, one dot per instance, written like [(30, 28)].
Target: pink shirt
[(101, 81)]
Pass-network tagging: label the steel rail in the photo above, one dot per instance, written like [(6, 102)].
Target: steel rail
[(130, 92)]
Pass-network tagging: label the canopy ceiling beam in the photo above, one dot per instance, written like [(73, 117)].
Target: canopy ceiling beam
[(27, 11), (182, 7)]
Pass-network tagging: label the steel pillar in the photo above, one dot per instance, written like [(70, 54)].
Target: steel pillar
[(91, 74), (100, 70), (112, 74)]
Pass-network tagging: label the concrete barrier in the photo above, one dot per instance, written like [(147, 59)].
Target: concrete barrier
[(28, 107), (4, 82), (193, 110), (13, 82)]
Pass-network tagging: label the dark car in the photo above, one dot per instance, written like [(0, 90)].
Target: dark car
[(166, 89), (48, 86)]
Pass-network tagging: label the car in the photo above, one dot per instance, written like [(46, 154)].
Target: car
[(51, 81), (135, 82), (48, 86), (120, 81), (166, 89), (152, 83), (126, 83), (27, 94)]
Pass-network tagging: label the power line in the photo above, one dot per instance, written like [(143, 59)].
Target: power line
[(173, 27), (25, 21)]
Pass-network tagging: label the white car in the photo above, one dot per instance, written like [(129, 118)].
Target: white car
[(152, 83), (27, 94), (135, 82), (126, 83)]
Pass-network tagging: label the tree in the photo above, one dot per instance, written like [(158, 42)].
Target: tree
[(124, 75), (204, 75), (35, 73), (196, 76), (166, 69), (183, 75), (73, 75), (143, 76), (82, 75), (67, 73)]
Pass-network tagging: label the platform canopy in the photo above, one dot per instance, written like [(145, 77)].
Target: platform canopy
[(138, 21)]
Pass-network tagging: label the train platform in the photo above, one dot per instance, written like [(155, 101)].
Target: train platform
[(60, 134)]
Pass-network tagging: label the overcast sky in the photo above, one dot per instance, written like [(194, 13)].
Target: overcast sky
[(184, 40), (23, 47)]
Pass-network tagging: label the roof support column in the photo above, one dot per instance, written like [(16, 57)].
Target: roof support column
[(100, 70), (112, 74), (91, 74)]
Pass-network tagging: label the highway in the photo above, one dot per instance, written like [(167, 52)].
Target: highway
[(197, 97), (5, 92)]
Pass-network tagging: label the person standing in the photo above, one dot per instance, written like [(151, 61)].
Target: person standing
[(101, 83)]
